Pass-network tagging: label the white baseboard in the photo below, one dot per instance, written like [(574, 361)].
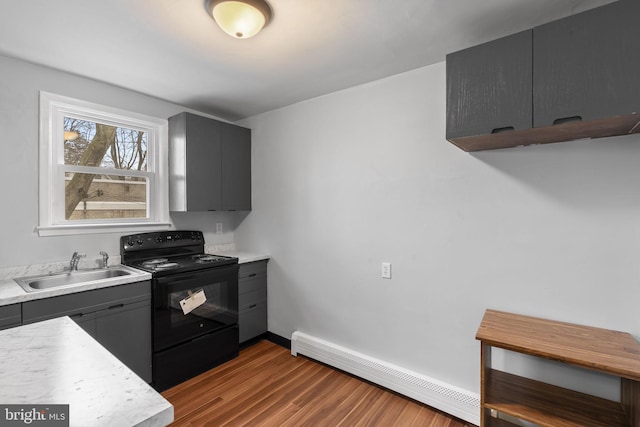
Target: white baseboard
[(448, 398)]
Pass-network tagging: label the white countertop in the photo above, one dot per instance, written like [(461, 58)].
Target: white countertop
[(56, 362), (11, 292)]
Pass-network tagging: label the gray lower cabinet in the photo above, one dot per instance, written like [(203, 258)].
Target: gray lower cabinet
[(125, 329), (10, 316), (252, 289), (118, 317)]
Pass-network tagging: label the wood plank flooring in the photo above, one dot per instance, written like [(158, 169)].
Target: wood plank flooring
[(266, 386)]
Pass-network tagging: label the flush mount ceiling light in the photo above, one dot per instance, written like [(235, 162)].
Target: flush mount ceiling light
[(240, 18)]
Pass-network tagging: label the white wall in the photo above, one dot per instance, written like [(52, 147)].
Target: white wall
[(346, 181), (19, 90)]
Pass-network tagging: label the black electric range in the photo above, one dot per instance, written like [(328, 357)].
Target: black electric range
[(195, 303)]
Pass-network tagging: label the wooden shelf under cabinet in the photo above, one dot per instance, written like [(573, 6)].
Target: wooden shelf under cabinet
[(611, 352)]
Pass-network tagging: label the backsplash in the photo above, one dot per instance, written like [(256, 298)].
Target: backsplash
[(224, 247)]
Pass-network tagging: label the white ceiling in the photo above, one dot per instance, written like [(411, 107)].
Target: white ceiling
[(173, 50)]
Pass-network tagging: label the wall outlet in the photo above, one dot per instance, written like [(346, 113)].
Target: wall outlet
[(218, 228), (386, 270)]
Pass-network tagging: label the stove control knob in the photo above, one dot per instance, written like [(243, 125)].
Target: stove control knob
[(130, 243), (159, 239), (139, 241)]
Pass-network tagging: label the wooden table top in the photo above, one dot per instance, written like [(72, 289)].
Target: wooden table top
[(613, 352)]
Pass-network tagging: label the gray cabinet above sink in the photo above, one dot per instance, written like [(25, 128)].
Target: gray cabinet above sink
[(209, 165)]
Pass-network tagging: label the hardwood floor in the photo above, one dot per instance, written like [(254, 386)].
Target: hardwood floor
[(266, 386)]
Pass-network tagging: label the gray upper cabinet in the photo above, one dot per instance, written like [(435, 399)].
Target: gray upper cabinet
[(489, 87), (587, 66), (209, 165), (570, 79), (236, 167)]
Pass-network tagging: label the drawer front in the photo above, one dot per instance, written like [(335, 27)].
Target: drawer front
[(10, 316), (253, 322), (84, 302), (252, 285), (252, 269), (245, 301)]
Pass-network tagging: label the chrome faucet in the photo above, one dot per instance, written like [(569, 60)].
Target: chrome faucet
[(75, 259), (105, 259)]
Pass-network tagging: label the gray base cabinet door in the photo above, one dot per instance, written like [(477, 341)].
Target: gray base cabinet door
[(586, 66), (252, 301), (131, 345), (87, 322), (10, 316), (118, 317)]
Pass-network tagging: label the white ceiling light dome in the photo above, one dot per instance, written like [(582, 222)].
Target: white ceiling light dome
[(240, 18)]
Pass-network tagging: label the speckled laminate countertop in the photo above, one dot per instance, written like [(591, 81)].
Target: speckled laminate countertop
[(56, 362)]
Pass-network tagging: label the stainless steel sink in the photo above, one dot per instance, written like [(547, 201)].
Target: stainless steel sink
[(73, 278)]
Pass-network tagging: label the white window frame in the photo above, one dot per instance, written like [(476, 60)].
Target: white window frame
[(53, 109)]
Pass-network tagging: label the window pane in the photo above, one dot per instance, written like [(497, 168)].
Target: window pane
[(89, 196), (88, 143)]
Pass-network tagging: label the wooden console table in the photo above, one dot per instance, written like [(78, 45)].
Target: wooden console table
[(602, 350)]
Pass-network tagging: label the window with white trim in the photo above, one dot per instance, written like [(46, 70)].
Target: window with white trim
[(102, 169)]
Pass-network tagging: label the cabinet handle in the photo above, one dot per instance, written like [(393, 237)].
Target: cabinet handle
[(253, 305), (567, 120), (253, 274), (76, 316), (504, 129), (113, 307)]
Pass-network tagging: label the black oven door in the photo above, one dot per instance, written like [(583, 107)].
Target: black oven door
[(214, 309)]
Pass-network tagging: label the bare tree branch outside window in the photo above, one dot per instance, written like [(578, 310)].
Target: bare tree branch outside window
[(107, 147)]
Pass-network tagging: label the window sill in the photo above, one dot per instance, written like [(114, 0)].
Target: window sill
[(77, 229)]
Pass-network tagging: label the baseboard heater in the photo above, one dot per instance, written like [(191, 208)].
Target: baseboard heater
[(437, 394)]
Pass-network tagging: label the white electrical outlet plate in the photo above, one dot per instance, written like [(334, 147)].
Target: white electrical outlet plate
[(218, 228), (386, 270)]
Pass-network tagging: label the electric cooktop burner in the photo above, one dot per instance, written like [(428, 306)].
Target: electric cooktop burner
[(154, 262), (167, 266), (205, 258), (160, 264)]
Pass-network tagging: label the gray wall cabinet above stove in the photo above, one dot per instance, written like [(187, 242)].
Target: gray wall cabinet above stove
[(209, 165), (574, 78), (118, 317)]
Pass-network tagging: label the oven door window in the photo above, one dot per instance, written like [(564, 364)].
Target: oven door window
[(211, 303)]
